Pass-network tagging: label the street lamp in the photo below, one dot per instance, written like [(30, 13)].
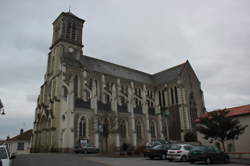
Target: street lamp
[(1, 108)]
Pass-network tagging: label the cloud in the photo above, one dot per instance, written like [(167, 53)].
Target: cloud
[(145, 35)]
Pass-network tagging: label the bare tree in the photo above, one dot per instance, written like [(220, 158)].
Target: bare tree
[(107, 125)]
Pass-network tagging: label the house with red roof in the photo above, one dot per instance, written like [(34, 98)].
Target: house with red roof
[(21, 143), (242, 144)]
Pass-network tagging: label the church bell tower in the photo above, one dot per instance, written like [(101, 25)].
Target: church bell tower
[(67, 28)]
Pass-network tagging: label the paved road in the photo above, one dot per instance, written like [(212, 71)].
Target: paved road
[(139, 161), (53, 160), (92, 160)]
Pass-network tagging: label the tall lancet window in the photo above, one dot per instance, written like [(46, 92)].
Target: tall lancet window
[(76, 86), (139, 130), (73, 32), (123, 130), (68, 31), (153, 130), (82, 127)]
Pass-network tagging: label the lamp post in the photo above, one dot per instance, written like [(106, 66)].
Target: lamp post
[(1, 108)]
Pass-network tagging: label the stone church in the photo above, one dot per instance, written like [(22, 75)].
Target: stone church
[(88, 100)]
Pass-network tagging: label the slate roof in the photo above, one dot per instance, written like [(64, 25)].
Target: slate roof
[(168, 74), (68, 14), (115, 70), (119, 71), (22, 137)]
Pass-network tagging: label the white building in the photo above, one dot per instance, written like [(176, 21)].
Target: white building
[(21, 143)]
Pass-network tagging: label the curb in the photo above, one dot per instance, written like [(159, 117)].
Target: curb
[(238, 161)]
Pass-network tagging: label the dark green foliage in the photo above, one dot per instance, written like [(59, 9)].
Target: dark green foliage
[(190, 137), (218, 126)]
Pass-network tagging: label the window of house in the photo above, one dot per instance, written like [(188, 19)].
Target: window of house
[(3, 153), (20, 146), (230, 148)]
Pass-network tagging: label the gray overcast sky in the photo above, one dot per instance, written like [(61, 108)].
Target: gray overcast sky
[(146, 35)]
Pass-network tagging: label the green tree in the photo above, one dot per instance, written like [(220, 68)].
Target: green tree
[(217, 125)]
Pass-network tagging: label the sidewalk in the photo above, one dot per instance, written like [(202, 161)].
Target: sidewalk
[(240, 161)]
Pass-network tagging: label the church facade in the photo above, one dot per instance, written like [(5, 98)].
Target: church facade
[(84, 99)]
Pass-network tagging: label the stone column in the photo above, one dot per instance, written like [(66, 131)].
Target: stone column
[(158, 112), (131, 110), (145, 111), (167, 105), (147, 126), (94, 107), (114, 108), (103, 85), (68, 139)]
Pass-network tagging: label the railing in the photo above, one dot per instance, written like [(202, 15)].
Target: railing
[(138, 110), (103, 106), (82, 104), (122, 108), (151, 111)]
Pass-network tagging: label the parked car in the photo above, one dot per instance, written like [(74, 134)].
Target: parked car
[(88, 148), (157, 151), (208, 154), (156, 142), (5, 157), (179, 152)]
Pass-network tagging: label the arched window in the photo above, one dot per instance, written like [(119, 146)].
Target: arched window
[(65, 93), (193, 109), (68, 31), (165, 131), (172, 95), (153, 130), (123, 129), (82, 127), (76, 86), (139, 130), (86, 95), (73, 32)]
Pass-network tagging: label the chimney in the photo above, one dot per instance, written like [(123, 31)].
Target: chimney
[(21, 131)]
